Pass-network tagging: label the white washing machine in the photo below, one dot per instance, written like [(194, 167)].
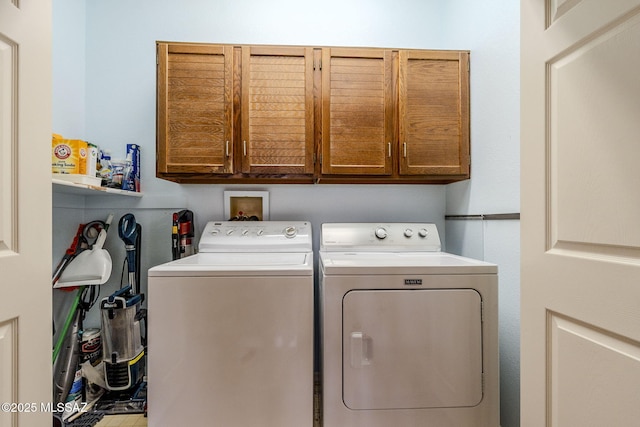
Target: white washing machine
[(409, 334), (231, 329)]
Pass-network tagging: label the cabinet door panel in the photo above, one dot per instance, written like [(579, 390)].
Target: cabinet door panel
[(277, 110), (434, 113), (194, 109), (357, 111)]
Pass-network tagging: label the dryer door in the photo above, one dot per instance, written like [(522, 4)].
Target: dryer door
[(412, 348)]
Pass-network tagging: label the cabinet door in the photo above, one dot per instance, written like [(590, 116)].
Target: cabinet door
[(357, 111), (194, 109), (434, 113), (277, 110)]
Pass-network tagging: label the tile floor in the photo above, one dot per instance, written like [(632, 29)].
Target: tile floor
[(136, 420)]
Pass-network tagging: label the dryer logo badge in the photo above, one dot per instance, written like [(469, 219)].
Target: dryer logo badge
[(412, 282)]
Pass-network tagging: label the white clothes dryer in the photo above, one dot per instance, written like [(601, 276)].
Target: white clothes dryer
[(409, 334), (231, 329)]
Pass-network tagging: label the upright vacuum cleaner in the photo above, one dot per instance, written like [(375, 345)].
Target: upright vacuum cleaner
[(123, 342)]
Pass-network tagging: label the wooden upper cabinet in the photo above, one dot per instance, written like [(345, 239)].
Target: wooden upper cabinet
[(195, 109), (277, 110), (242, 113), (357, 111), (434, 113)]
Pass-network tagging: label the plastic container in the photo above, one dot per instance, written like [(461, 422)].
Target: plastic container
[(127, 177), (91, 346), (118, 170), (106, 168)]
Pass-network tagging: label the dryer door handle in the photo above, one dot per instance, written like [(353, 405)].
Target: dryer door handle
[(361, 347)]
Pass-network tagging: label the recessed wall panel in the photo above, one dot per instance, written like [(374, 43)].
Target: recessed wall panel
[(593, 144)]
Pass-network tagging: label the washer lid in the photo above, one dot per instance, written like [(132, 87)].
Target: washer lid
[(368, 263), (238, 264)]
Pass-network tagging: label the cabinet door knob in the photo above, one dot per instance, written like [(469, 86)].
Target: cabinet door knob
[(226, 149), (404, 149), (389, 145), (244, 148)]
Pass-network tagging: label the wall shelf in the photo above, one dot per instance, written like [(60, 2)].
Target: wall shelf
[(61, 186)]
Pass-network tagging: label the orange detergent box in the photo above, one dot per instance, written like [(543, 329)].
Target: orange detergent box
[(68, 156)]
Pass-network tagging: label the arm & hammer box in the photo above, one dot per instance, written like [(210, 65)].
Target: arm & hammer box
[(74, 160)]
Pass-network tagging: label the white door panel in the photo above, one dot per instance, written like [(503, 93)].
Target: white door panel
[(8, 89), (580, 208), (25, 211), (593, 143), (8, 367), (588, 369)]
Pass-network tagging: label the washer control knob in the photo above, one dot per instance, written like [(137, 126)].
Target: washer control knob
[(408, 232), (260, 232), (215, 231), (423, 232), (290, 232), (381, 233), (245, 232), (230, 232)]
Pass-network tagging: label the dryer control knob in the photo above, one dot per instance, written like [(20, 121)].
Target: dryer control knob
[(408, 232), (260, 232), (230, 232), (423, 232), (290, 231), (381, 233)]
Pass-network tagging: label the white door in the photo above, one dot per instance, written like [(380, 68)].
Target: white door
[(25, 212), (580, 213)]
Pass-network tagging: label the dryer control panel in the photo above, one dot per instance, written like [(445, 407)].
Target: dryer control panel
[(256, 236), (382, 237)]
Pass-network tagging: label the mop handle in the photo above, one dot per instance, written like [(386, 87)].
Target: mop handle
[(67, 323)]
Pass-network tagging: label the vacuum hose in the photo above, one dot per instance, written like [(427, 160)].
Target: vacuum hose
[(128, 232)]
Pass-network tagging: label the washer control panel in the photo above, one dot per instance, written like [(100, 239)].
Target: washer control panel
[(256, 236), (391, 237)]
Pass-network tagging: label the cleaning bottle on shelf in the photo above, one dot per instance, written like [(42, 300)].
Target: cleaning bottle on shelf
[(117, 178), (106, 168), (127, 176)]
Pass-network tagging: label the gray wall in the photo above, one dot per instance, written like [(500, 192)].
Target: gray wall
[(104, 91)]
